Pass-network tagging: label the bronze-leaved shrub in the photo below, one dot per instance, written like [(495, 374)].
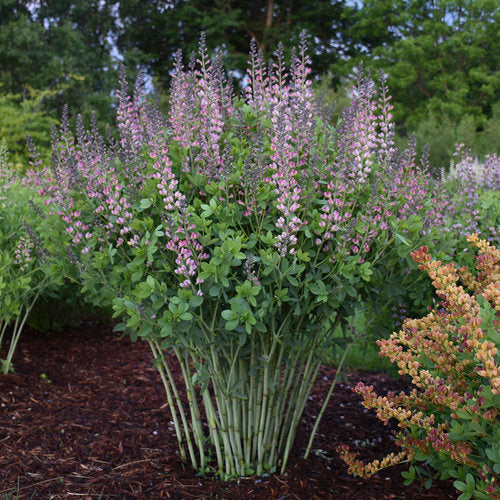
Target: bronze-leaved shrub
[(450, 420)]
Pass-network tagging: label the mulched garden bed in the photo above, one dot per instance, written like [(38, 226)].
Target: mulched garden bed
[(85, 417)]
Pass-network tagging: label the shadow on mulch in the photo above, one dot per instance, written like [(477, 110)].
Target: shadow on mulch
[(85, 416)]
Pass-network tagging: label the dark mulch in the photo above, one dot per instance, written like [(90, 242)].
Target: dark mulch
[(85, 416)]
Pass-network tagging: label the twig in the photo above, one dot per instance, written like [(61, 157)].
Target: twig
[(98, 495), (131, 463)]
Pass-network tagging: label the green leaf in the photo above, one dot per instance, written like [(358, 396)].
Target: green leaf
[(227, 314), (243, 338), (469, 479), (231, 325), (137, 275), (145, 203), (120, 327), (145, 330), (134, 321), (409, 475), (196, 301), (402, 239), (166, 331), (261, 327)]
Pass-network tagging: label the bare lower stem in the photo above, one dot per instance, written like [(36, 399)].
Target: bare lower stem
[(193, 407), (170, 400), (213, 424), (16, 335), (3, 327), (327, 399)]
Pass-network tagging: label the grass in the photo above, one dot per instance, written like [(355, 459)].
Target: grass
[(364, 355), (12, 494)]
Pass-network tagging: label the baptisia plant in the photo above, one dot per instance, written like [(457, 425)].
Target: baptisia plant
[(23, 263), (235, 237), (450, 420), (470, 198)]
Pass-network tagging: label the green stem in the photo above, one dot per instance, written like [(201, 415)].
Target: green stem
[(213, 425), (289, 411), (326, 401), (6, 363), (16, 335), (3, 328), (233, 416), (265, 398), (275, 383), (181, 409), (295, 409), (306, 386), (294, 373), (243, 376), (283, 397), (173, 411), (231, 420), (229, 462), (236, 411), (256, 415), (193, 407), (224, 427), (250, 410)]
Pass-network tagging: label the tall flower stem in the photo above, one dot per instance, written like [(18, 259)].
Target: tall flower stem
[(262, 418), (3, 327), (216, 378)]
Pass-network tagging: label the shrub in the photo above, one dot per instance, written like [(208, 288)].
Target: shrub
[(21, 279), (450, 420), (472, 197), (30, 269), (238, 236)]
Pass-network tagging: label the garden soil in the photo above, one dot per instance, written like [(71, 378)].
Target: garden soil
[(84, 416)]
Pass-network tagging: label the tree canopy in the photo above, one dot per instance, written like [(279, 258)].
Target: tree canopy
[(63, 45), (151, 32), (442, 57)]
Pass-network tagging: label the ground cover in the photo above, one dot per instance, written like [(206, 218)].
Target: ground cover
[(85, 415)]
